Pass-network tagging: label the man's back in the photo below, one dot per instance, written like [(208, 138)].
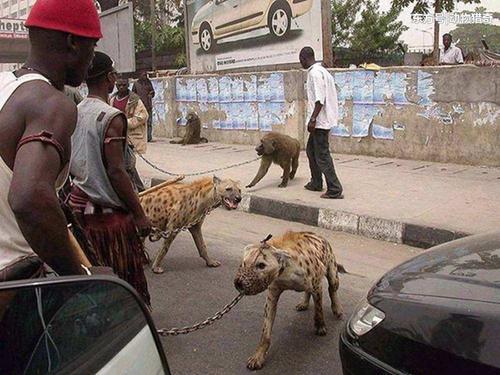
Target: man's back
[(321, 87), (87, 156)]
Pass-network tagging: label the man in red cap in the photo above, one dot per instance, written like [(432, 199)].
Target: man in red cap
[(36, 123)]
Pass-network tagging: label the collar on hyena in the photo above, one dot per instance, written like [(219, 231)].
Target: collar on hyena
[(261, 265)]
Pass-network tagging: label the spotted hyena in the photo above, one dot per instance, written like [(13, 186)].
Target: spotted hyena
[(295, 261), (177, 205)]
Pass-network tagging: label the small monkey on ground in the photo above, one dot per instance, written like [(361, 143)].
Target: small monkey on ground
[(279, 149), (193, 131)]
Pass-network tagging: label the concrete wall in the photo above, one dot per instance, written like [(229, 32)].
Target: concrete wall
[(448, 114)]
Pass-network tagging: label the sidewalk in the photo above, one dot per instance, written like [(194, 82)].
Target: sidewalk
[(405, 201)]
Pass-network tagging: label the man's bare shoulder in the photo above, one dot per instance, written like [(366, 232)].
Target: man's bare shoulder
[(43, 106)]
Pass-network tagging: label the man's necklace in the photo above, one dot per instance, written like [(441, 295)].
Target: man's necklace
[(39, 72)]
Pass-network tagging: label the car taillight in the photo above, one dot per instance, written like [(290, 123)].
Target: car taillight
[(365, 318)]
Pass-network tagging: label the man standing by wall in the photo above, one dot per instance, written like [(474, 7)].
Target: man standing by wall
[(322, 114), (137, 116), (36, 123), (144, 88), (102, 197), (451, 55)]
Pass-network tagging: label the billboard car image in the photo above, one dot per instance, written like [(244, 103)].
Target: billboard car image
[(228, 34), (222, 18)]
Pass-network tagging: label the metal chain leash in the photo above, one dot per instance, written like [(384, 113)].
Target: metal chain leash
[(196, 173), (203, 324), (157, 234)]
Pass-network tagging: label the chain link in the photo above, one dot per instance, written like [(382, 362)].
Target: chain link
[(203, 324), (157, 234), (196, 173)]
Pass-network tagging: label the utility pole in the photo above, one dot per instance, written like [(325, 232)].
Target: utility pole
[(153, 35), (435, 52)]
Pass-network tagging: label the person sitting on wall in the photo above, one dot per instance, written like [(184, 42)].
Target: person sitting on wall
[(450, 55)]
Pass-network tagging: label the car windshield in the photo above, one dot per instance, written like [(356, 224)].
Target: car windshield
[(66, 328)]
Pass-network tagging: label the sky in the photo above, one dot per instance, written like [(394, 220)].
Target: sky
[(415, 37)]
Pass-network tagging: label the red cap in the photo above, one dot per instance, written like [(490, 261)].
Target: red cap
[(77, 17)]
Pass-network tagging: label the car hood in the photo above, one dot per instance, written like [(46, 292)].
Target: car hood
[(203, 14), (465, 269)]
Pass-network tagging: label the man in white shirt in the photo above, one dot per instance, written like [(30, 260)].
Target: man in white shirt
[(322, 114), (451, 55)]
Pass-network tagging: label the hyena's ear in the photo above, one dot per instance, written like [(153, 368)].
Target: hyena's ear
[(216, 180), (282, 257)]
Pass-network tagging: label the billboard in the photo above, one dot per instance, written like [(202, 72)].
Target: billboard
[(118, 41), (11, 28), (230, 34)]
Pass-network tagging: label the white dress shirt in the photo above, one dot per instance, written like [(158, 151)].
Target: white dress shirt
[(321, 88), (452, 55)]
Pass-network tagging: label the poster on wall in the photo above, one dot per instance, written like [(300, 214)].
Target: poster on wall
[(230, 34)]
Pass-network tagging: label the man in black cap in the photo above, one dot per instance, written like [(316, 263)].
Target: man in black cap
[(102, 195)]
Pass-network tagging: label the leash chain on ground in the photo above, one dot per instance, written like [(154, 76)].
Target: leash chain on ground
[(196, 173), (200, 325)]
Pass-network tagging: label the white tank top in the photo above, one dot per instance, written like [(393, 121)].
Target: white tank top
[(13, 245)]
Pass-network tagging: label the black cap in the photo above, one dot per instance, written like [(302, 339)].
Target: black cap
[(101, 64)]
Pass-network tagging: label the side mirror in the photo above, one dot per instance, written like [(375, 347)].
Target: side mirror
[(77, 324)]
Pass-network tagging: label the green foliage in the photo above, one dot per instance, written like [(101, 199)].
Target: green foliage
[(343, 16), (470, 35), (168, 38), (425, 6), (375, 33)]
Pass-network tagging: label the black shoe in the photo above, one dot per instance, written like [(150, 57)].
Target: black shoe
[(328, 195), (311, 187)]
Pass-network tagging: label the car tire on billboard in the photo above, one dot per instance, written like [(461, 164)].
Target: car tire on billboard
[(280, 19), (207, 41)]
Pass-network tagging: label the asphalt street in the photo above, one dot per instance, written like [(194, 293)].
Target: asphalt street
[(189, 292)]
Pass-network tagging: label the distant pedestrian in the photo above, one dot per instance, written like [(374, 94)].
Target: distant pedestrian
[(322, 114), (144, 88), (137, 116), (450, 55)]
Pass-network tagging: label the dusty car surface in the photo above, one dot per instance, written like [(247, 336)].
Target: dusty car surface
[(223, 18), (438, 313)]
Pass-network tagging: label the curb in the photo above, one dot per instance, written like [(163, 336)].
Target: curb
[(367, 226)]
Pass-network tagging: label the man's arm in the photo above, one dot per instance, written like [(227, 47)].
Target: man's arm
[(151, 90), (459, 59), (318, 96), (32, 194), (140, 116), (118, 176), (312, 121)]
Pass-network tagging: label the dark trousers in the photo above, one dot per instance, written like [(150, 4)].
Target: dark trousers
[(321, 163), (150, 125)]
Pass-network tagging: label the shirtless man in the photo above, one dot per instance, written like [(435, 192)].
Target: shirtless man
[(36, 123)]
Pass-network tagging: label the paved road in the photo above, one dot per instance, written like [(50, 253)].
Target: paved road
[(189, 292)]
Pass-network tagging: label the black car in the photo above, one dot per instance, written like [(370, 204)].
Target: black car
[(438, 313)]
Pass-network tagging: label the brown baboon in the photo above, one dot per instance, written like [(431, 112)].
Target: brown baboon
[(193, 131), (279, 149)]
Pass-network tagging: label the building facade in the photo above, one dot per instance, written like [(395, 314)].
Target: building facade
[(18, 9)]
